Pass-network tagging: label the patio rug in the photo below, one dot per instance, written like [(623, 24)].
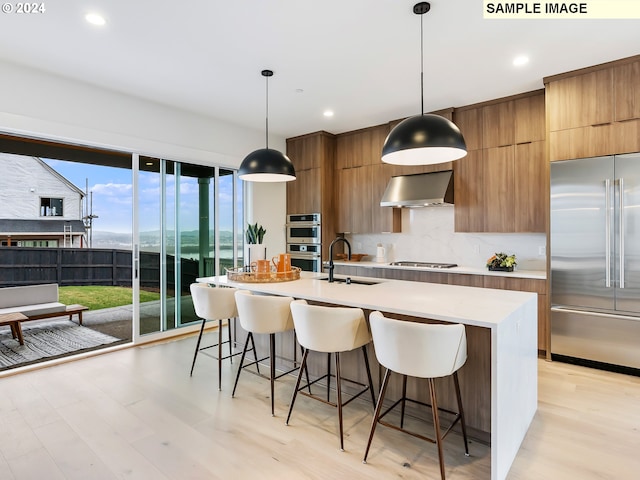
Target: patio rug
[(48, 340)]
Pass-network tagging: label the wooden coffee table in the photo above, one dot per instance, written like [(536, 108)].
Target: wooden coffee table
[(13, 320)]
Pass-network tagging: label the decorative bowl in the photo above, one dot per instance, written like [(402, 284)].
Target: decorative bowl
[(355, 257)]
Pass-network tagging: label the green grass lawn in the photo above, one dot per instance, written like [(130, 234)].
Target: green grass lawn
[(98, 297)]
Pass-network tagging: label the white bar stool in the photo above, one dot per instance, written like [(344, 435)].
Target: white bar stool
[(330, 330), (214, 303), (262, 314), (419, 350)]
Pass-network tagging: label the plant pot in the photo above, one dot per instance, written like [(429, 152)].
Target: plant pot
[(255, 252), (500, 269)]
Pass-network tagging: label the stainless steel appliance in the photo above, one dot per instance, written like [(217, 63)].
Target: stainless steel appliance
[(306, 256), (304, 241), (419, 190), (304, 228), (595, 260)]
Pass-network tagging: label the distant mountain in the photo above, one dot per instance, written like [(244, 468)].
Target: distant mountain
[(102, 239)]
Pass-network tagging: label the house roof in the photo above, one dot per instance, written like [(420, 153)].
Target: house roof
[(14, 226), (59, 176)]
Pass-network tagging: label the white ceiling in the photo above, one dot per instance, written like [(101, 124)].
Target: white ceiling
[(360, 58)]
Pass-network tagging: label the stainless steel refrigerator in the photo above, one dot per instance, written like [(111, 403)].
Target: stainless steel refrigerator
[(595, 260)]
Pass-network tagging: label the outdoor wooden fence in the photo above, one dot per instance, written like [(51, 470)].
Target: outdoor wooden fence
[(87, 266)]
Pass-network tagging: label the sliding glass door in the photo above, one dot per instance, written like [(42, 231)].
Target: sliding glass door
[(188, 228)]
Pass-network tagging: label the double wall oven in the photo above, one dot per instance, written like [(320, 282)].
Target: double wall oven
[(304, 241)]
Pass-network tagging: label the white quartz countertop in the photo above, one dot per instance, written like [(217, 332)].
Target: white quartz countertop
[(482, 307), (517, 273)]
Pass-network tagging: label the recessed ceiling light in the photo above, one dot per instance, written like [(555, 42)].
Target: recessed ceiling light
[(328, 113), (95, 19), (520, 60)]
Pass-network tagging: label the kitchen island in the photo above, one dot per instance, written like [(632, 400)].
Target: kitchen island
[(502, 343)]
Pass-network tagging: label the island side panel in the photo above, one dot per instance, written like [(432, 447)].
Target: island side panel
[(515, 386)]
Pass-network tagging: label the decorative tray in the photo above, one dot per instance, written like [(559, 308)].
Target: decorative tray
[(244, 274)]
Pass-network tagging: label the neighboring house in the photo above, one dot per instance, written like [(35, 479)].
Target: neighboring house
[(38, 206)]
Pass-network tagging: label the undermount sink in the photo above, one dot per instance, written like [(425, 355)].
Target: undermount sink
[(349, 280)]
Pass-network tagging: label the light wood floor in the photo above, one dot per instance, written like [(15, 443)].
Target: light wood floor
[(136, 414)]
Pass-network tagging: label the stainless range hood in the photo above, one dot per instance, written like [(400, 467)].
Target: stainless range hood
[(420, 190)]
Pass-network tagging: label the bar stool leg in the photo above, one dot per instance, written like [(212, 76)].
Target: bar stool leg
[(339, 402), (462, 422), (436, 424), (303, 366), (195, 354), (244, 352), (376, 415), (272, 367), (404, 400), (368, 369), (219, 354), (230, 341), (328, 376), (306, 371)]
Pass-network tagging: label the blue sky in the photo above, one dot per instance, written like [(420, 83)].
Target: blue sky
[(112, 197)]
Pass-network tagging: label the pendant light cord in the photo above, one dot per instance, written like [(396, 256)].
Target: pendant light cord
[(421, 66), (267, 113)]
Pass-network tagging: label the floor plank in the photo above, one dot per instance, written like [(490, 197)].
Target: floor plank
[(136, 413)]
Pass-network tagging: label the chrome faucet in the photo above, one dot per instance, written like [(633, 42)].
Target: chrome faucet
[(339, 239)]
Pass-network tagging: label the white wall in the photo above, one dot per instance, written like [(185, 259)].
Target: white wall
[(428, 235), (267, 205), (38, 104)]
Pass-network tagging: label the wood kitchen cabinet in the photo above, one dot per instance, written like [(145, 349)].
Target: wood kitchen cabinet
[(580, 100), (361, 180), (498, 126), (469, 280), (312, 191), (626, 90), (500, 183), (499, 189), (594, 111), (300, 196), (531, 184), (526, 285)]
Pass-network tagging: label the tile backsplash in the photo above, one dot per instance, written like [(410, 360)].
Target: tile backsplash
[(428, 236)]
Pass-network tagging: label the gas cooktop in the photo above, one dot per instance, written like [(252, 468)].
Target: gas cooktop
[(424, 264)]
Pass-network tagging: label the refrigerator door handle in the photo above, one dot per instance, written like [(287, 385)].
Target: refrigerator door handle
[(621, 227), (607, 233)]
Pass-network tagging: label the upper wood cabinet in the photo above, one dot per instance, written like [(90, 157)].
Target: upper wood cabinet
[(313, 190), (468, 188), (529, 118), (498, 125), (501, 180), (581, 100), (531, 187), (470, 122), (626, 87), (594, 111), (361, 180)]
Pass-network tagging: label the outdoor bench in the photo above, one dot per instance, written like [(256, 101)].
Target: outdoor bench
[(33, 302)]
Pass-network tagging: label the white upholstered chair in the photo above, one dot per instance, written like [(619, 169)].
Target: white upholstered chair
[(214, 303), (419, 350), (330, 330), (263, 314)]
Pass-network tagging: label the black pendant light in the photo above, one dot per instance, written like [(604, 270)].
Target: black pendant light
[(425, 139), (266, 164)]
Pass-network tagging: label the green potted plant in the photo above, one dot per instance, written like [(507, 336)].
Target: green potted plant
[(255, 250), (502, 262), (255, 234)]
